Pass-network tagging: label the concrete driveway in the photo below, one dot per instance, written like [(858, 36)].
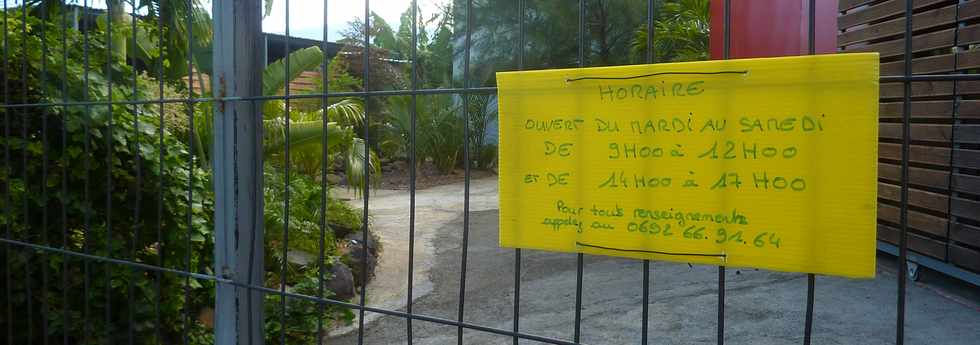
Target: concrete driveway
[(762, 307)]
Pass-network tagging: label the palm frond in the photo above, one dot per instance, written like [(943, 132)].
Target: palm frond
[(348, 112), (302, 133), (356, 166), (275, 76)]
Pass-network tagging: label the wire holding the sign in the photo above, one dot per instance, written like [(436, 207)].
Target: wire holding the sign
[(721, 255), (744, 72)]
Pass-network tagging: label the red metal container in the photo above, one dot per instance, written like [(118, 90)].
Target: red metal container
[(763, 28)]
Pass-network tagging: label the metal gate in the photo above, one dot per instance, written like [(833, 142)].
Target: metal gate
[(40, 115)]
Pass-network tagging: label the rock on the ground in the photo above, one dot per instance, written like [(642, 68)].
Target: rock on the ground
[(300, 257), (356, 258), (400, 165), (334, 179), (340, 231), (355, 248), (341, 281), (355, 238)]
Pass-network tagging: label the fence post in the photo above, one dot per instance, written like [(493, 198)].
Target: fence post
[(238, 179)]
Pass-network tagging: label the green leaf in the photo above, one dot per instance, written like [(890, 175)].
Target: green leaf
[(357, 165), (204, 59), (275, 76), (347, 113), (195, 284), (301, 133), (196, 237), (384, 37)]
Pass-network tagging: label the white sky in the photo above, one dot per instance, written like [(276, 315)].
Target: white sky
[(306, 16)]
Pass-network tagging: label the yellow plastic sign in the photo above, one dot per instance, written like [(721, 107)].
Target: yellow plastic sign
[(768, 163)]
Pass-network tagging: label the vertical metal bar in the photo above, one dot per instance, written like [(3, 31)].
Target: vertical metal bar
[(367, 170), (521, 10), (581, 33), (190, 173), (28, 289), (44, 177), (721, 305), (110, 56), (285, 226), (650, 31), (517, 293), (137, 197), (810, 278), (65, 320), (580, 259), (812, 27), (466, 168), (87, 201), (906, 134), (412, 177), (721, 269), (808, 328), (324, 156), (6, 194), (957, 98), (254, 301), (161, 246), (645, 329)]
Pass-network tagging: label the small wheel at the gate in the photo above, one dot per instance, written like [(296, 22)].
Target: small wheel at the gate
[(913, 270)]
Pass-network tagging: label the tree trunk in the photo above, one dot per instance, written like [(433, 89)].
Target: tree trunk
[(117, 18)]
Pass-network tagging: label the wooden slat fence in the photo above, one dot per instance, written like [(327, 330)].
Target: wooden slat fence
[(944, 174), (306, 82)]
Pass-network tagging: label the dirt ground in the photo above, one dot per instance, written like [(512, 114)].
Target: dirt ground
[(396, 176)]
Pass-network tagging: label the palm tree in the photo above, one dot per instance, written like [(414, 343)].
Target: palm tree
[(184, 24), (305, 128)]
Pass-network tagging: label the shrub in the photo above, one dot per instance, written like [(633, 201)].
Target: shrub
[(304, 212), (304, 239), (117, 181), (483, 112), (109, 181), (438, 129), (302, 316)]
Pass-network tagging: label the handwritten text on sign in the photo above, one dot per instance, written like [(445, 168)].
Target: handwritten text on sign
[(767, 163)]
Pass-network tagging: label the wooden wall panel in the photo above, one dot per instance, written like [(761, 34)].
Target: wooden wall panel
[(944, 158)]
